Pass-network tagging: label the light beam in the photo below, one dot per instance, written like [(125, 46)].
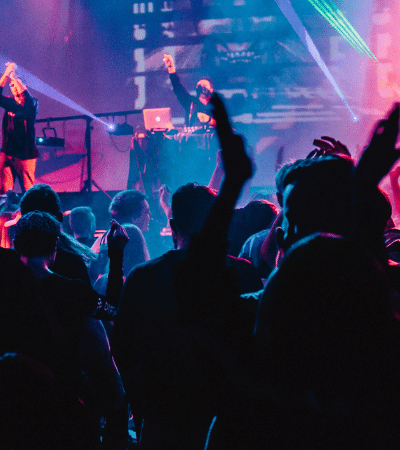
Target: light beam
[(40, 86), (287, 9), (336, 18)]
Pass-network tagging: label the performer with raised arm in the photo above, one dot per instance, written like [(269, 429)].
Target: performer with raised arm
[(18, 153), (197, 107)]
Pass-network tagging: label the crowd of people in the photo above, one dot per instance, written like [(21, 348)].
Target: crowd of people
[(270, 326)]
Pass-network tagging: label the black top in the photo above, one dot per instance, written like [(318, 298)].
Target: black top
[(191, 103), (70, 265), (19, 126), (69, 303), (148, 330), (44, 319)]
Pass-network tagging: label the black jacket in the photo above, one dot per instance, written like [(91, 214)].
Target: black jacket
[(18, 127)]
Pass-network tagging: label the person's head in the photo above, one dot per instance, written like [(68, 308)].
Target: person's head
[(256, 216), (36, 234), (316, 198), (82, 221), (17, 90), (41, 197), (204, 89), (190, 207), (131, 207)]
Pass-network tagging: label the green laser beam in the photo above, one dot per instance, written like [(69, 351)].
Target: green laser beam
[(330, 17), (341, 24), (341, 18), (367, 49)]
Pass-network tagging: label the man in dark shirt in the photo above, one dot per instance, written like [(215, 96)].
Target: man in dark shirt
[(19, 153), (150, 343), (197, 107)]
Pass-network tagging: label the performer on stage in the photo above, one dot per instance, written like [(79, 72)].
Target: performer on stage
[(18, 153), (196, 107)]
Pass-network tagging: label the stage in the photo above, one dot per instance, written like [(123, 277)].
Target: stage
[(96, 60)]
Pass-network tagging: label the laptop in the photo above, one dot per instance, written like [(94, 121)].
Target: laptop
[(157, 119)]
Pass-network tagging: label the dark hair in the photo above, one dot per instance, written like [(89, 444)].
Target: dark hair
[(208, 79), (190, 206), (41, 197), (321, 197), (256, 216), (36, 234), (316, 167), (127, 204), (82, 220)]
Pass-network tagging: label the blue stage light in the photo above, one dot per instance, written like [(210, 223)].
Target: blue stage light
[(120, 129)]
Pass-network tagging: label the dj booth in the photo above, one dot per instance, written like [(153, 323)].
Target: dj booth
[(173, 158)]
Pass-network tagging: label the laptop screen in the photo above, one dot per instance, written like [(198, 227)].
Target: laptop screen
[(157, 119)]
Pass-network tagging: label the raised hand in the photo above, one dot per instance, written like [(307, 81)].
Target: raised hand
[(117, 237), (169, 62), (381, 153), (237, 164), (164, 194), (11, 67), (328, 145)]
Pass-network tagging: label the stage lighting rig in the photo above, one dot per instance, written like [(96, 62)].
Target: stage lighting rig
[(50, 141), (120, 129)]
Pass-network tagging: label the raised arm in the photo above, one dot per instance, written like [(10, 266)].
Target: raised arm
[(394, 183), (217, 175), (16, 84), (10, 68), (21, 101), (237, 166), (203, 282), (117, 239), (165, 202), (375, 163), (183, 96), (381, 153), (238, 169), (169, 63)]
